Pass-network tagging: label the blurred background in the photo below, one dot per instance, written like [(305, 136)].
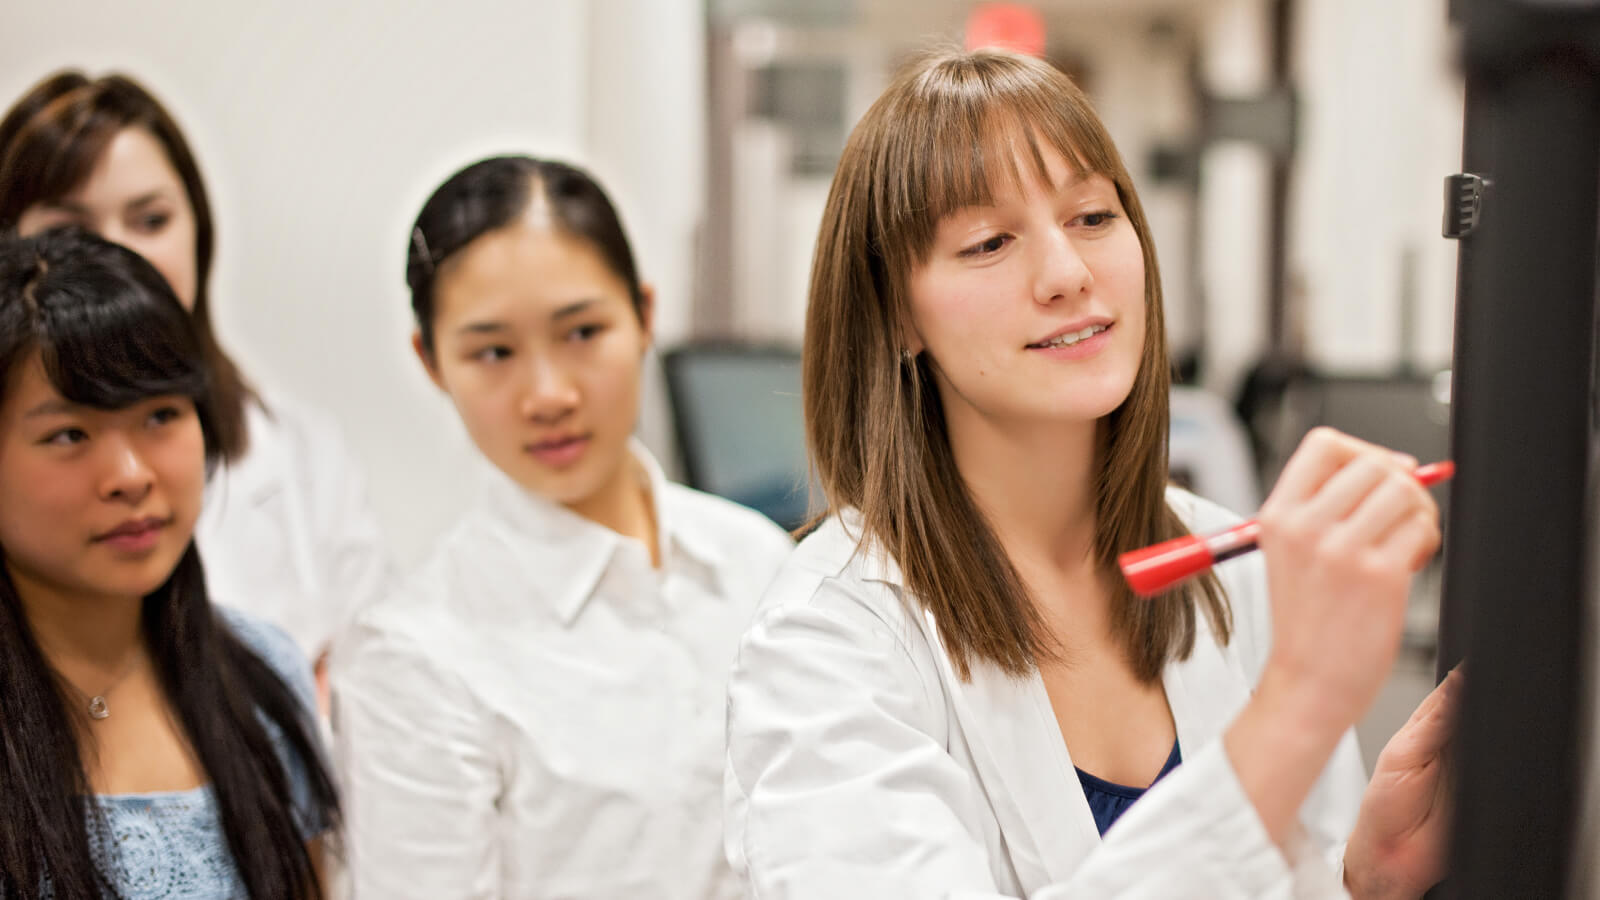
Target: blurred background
[(1289, 153)]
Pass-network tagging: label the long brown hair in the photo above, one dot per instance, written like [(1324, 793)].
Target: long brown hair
[(51, 139), (874, 422)]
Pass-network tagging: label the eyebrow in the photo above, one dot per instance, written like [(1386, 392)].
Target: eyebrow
[(1075, 178), (79, 210), (572, 309), (483, 328), (49, 408)]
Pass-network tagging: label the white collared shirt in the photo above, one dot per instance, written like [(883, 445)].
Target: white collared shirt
[(286, 532), (860, 765), (539, 713)]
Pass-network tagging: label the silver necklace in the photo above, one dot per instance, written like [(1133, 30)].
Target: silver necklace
[(98, 708)]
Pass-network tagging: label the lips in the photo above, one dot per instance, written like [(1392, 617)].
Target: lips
[(559, 452), (134, 528), (135, 536), (1072, 334)]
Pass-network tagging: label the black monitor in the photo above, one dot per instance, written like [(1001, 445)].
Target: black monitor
[(740, 425)]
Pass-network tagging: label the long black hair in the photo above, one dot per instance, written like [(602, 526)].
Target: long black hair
[(490, 194), (110, 334)]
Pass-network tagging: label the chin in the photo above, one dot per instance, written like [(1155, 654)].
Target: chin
[(1095, 401), (133, 588), (574, 484), (564, 487), (1079, 407)]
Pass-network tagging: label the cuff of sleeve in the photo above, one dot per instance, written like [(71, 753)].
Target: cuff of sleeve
[(1302, 868), (1335, 859), (1239, 840)]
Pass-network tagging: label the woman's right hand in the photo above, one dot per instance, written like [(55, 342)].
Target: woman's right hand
[(1344, 529), (1343, 532)]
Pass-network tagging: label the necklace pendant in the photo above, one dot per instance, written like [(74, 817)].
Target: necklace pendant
[(98, 708)]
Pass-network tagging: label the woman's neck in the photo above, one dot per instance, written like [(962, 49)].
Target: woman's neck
[(624, 505), (84, 636), (1036, 486)]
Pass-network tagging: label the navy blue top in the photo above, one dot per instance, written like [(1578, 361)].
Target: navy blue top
[(1109, 801)]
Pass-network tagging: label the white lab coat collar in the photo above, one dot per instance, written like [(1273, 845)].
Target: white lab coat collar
[(1015, 740), (566, 556)]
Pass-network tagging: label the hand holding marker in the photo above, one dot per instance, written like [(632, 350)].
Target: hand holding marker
[(1157, 568)]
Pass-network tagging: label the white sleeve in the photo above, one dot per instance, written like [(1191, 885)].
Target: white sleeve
[(838, 784), (1329, 813), (420, 779), (352, 558)]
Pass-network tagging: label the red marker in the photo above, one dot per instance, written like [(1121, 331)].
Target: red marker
[(1154, 569)]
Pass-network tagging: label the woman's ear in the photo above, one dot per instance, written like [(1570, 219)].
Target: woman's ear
[(425, 356), (647, 311), (910, 341)]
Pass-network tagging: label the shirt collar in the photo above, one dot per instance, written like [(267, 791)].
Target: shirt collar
[(567, 556), (672, 528)]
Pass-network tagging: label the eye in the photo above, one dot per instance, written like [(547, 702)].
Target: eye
[(492, 354), (65, 437), (1097, 219), (584, 333), (165, 414), (988, 246), (152, 222)]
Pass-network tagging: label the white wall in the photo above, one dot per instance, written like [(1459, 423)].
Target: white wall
[(1235, 194), (1381, 130), (1140, 87), (322, 127)]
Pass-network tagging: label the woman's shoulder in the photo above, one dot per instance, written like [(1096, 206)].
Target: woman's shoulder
[(836, 571), (433, 615), (1199, 514), (419, 605), (274, 647), (722, 521), (834, 626)]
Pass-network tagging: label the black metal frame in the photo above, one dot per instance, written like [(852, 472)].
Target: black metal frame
[(1520, 540)]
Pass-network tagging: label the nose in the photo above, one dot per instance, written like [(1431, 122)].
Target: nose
[(550, 393), (128, 476), (1060, 270), (112, 231)]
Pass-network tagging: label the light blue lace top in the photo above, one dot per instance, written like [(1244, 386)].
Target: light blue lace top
[(169, 845)]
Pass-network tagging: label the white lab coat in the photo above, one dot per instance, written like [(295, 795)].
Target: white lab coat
[(286, 533), (539, 711), (860, 765)]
